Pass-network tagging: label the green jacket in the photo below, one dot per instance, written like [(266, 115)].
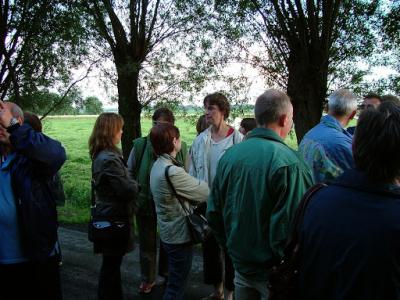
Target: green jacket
[(258, 186), (140, 162)]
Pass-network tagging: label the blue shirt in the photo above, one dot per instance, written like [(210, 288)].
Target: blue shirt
[(327, 149), (10, 242)]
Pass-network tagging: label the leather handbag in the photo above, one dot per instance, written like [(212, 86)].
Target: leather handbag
[(283, 276), (105, 230), (197, 223)]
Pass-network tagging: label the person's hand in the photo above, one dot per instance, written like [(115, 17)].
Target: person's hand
[(5, 114)]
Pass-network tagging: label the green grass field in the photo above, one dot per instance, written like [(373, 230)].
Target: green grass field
[(74, 133)]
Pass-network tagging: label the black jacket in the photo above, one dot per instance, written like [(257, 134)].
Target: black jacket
[(115, 192), (350, 245)]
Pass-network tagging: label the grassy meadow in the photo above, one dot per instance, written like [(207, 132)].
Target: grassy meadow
[(74, 132)]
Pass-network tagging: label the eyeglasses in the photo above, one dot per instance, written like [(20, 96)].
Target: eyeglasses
[(161, 122), (368, 106)]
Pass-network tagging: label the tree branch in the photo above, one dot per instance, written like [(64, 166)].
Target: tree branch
[(118, 29), (58, 103), (153, 21)]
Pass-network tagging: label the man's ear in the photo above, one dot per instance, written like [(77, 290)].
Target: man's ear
[(20, 120), (352, 115), (283, 119)]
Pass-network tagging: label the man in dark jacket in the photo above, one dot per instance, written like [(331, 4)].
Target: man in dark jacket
[(350, 236), (28, 219)]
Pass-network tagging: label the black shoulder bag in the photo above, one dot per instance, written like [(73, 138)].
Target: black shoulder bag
[(197, 223), (283, 277), (102, 229)]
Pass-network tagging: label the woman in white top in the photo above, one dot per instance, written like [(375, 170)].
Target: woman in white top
[(205, 153)]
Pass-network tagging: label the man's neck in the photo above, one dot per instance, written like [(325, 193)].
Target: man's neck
[(276, 128), (343, 120)]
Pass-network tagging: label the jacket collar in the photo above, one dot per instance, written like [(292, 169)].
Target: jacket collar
[(356, 179), (172, 159), (265, 133), (332, 122)]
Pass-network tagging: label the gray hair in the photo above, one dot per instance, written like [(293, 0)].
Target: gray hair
[(17, 111), (270, 106), (342, 102)]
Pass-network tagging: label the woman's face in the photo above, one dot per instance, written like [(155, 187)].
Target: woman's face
[(213, 115), (117, 137)]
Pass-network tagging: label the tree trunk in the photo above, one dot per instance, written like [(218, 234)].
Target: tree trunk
[(129, 106), (307, 88)]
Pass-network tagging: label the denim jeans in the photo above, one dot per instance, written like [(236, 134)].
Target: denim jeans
[(249, 289), (179, 264)]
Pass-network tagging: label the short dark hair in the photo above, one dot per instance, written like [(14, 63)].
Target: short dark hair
[(201, 124), (376, 146), (390, 98), (162, 137), (33, 120), (220, 101), (372, 95), (164, 113), (248, 124)]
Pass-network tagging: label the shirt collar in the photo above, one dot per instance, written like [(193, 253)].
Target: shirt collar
[(5, 161), (265, 133), (359, 180)]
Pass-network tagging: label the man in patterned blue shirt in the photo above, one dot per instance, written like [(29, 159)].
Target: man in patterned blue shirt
[(327, 147)]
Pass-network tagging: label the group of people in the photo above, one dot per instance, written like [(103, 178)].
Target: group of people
[(247, 183)]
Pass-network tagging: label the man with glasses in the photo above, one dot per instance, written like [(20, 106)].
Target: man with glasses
[(371, 100)]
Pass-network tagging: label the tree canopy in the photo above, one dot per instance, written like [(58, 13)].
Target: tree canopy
[(40, 42)]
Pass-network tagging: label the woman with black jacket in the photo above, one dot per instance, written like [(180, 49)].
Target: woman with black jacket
[(114, 193)]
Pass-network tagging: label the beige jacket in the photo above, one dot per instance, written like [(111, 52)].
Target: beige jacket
[(171, 217)]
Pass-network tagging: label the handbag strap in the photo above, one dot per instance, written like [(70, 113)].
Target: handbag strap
[(293, 238), (166, 173), (92, 197)]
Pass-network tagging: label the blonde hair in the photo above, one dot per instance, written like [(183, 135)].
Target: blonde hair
[(106, 127)]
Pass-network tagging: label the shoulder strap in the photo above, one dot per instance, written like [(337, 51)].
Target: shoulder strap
[(139, 148), (92, 196), (173, 188), (293, 238)]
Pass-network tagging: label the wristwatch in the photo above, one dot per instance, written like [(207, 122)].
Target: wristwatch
[(13, 121)]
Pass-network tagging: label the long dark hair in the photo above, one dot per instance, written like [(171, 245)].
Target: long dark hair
[(106, 127)]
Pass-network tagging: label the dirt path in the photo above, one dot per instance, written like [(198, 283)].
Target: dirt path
[(79, 272)]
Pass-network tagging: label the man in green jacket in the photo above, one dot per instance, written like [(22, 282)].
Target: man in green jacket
[(255, 193), (140, 162)]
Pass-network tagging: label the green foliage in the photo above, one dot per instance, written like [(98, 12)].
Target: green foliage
[(391, 29), (42, 40), (92, 106), (40, 102)]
